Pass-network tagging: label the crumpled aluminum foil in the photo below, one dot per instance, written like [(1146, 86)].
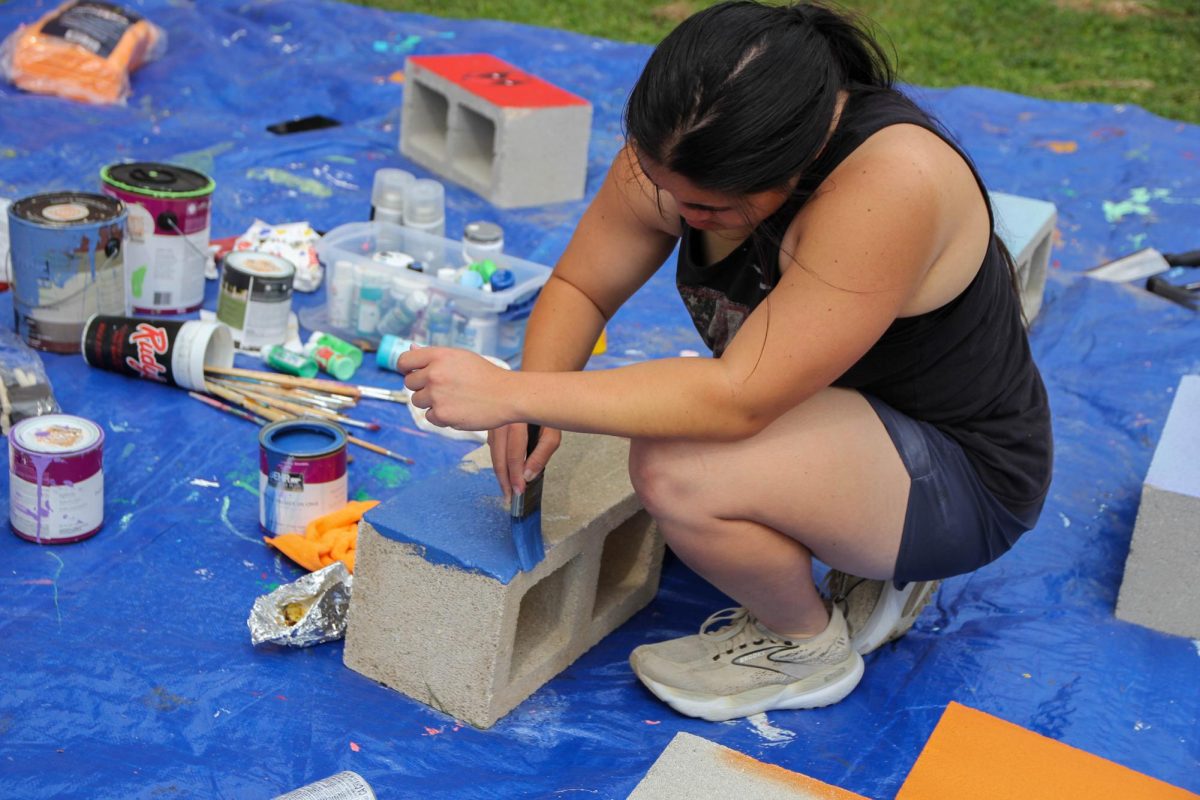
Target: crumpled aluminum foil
[(307, 611)]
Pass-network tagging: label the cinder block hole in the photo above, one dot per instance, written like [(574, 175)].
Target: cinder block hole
[(623, 562), (427, 121), (541, 621), (1038, 262), (475, 150)]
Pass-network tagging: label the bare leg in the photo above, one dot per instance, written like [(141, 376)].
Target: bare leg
[(824, 480)]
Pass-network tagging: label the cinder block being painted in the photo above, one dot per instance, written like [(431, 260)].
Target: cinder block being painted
[(1026, 226), (440, 610), (513, 138), (1161, 587), (698, 769)]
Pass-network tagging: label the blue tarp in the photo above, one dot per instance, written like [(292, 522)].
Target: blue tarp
[(126, 669)]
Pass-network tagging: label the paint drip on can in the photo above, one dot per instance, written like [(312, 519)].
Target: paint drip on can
[(256, 297), (167, 233), (302, 473), (56, 479), (67, 264)]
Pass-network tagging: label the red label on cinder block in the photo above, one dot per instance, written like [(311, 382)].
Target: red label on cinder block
[(497, 81)]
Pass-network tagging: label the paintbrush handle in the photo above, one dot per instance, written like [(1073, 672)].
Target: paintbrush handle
[(228, 409), (383, 451), (331, 387), (237, 399)]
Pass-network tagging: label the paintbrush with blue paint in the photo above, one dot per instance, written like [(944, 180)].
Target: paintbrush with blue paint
[(526, 514)]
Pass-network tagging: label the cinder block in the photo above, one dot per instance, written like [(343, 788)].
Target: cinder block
[(512, 137), (698, 769), (1026, 226), (1161, 587), (441, 611)]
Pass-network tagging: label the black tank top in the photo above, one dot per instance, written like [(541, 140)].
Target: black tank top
[(965, 367)]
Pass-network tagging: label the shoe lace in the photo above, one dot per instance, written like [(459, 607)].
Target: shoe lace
[(838, 585), (736, 622)]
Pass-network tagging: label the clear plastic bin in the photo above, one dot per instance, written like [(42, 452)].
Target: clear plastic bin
[(382, 278)]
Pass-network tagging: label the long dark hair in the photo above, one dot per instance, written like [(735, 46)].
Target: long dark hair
[(740, 97)]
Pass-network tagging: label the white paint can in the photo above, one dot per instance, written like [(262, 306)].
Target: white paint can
[(56, 479)]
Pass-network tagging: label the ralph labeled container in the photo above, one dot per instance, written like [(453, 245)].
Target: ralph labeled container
[(56, 478), (67, 251), (302, 473), (166, 247)]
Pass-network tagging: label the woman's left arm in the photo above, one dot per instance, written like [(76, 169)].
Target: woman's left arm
[(850, 262)]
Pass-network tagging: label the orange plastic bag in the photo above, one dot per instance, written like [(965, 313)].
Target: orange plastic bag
[(82, 50)]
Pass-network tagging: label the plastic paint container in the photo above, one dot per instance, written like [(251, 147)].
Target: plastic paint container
[(302, 473), (67, 264), (390, 350), (167, 233), (342, 786), (280, 358), (164, 350), (56, 479), (256, 297)]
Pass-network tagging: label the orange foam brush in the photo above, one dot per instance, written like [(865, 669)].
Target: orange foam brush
[(326, 539)]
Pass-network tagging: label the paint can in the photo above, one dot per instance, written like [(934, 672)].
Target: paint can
[(67, 264), (302, 473), (342, 786), (167, 233), (164, 350), (56, 479), (256, 297)]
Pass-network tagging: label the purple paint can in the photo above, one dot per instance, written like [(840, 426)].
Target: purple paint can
[(56, 479), (302, 473)]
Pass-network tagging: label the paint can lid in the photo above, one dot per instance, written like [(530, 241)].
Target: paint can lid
[(259, 265), (302, 438), (158, 180), (66, 209), (56, 434)]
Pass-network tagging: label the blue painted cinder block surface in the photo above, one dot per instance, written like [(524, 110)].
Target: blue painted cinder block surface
[(125, 660)]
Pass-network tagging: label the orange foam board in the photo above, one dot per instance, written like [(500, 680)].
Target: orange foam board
[(971, 754)]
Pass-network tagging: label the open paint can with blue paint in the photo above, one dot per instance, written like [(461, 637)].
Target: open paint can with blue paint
[(302, 473), (56, 479)]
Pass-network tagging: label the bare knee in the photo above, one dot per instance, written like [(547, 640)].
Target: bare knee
[(663, 478)]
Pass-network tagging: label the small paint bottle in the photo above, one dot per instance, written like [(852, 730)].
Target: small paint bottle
[(280, 358), (441, 324), (390, 350), (501, 280), (370, 298), (425, 206), (331, 361), (387, 194), (343, 291), (481, 241), (352, 352)]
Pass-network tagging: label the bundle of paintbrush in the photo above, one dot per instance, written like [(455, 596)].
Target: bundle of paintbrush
[(262, 397)]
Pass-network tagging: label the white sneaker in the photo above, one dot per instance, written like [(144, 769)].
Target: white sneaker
[(876, 611), (743, 668)]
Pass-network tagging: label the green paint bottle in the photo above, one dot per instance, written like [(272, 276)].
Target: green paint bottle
[(280, 358), (322, 339), (330, 360)]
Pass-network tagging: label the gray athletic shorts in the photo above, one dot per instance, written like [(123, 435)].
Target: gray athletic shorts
[(953, 523)]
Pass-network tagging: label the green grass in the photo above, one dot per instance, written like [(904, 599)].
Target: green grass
[(1144, 52)]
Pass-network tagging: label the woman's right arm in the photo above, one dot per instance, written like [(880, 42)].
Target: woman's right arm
[(624, 236)]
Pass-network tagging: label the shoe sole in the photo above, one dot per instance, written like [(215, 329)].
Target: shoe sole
[(894, 615), (756, 701)]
